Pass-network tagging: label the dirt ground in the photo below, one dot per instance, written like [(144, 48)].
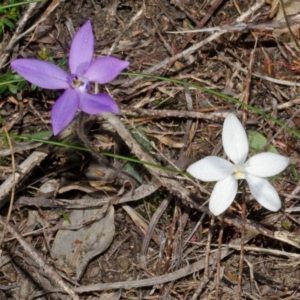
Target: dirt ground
[(78, 229)]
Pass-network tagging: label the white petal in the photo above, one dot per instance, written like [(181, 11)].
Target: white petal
[(222, 195), (211, 168), (235, 140), (266, 164), (264, 192)]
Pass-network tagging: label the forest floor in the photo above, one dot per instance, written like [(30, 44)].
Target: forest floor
[(72, 227)]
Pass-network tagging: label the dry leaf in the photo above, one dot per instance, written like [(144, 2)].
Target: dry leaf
[(49, 186), (91, 232), (101, 185), (140, 222), (169, 142), (13, 100), (283, 35), (274, 7), (110, 296)]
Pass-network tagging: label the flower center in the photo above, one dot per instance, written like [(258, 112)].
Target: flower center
[(238, 172), (79, 83)]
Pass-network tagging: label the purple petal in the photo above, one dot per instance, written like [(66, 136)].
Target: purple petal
[(82, 49), (41, 73), (64, 110), (96, 104), (105, 69)]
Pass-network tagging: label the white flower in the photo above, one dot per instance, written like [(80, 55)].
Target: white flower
[(213, 168)]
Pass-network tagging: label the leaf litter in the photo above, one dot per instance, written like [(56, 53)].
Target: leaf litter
[(110, 238)]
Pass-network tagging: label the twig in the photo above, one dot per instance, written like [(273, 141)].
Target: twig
[(241, 26), (202, 284), (288, 24), (250, 265), (286, 123), (17, 35), (170, 244), (48, 269), (241, 263), (170, 250), (19, 147), (284, 105), (193, 48), (218, 274), (22, 170), (51, 7), (189, 104), (207, 258), (128, 25), (154, 220), (258, 75), (215, 116), (189, 269), (206, 17), (266, 251), (248, 84), (13, 187), (43, 201)]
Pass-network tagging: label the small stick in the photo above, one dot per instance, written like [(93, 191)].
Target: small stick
[(15, 38), (241, 26), (250, 265), (17, 35), (24, 168), (13, 186), (151, 226), (189, 104), (215, 116), (128, 25), (259, 75), (206, 17), (218, 275), (288, 24), (267, 251), (248, 84), (239, 291), (296, 112), (207, 253), (192, 49), (48, 269)]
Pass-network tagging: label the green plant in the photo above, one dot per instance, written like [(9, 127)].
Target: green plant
[(11, 82), (8, 15)]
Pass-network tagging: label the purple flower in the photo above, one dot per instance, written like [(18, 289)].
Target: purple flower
[(77, 84)]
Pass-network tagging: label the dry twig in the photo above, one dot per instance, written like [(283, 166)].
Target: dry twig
[(48, 269)]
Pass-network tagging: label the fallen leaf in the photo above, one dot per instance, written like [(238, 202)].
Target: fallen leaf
[(90, 233), (283, 35), (169, 142)]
